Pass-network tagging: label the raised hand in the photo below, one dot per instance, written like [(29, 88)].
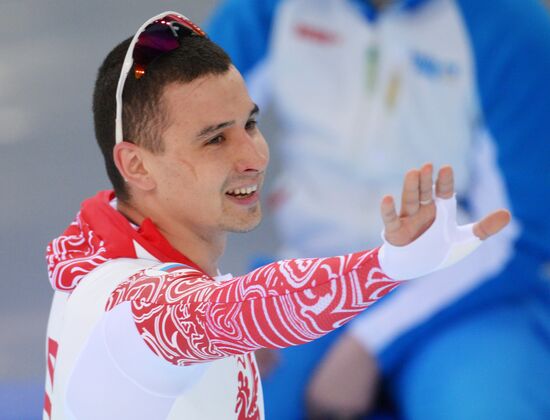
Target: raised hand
[(417, 211)]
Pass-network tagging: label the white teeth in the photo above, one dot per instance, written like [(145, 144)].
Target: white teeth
[(243, 191)]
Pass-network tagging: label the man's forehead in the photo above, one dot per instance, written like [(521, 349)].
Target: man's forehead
[(180, 91), (228, 87), (208, 100)]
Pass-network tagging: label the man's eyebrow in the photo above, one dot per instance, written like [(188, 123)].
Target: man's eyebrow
[(207, 131)]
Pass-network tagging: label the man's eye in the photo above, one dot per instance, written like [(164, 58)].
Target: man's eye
[(251, 125), (215, 140)]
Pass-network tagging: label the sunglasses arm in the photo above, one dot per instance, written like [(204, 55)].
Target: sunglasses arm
[(126, 66)]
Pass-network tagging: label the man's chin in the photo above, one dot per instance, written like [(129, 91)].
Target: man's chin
[(244, 227), (250, 223)]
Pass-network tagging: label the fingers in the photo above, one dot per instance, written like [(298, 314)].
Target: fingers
[(391, 221), (426, 184), (491, 224), (410, 198), (417, 189), (444, 186)]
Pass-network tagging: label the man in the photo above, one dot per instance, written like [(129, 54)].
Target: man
[(364, 89), (143, 326)]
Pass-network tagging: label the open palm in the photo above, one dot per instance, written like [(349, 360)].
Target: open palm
[(418, 208)]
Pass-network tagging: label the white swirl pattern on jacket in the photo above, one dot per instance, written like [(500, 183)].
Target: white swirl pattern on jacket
[(73, 255), (185, 317)]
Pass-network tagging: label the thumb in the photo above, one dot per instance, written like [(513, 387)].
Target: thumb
[(491, 224)]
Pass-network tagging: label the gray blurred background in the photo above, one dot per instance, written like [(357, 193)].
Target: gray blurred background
[(49, 162)]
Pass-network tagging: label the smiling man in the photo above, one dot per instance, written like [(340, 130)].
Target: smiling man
[(207, 179), (143, 325)]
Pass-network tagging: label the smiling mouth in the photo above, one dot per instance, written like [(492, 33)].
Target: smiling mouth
[(244, 192)]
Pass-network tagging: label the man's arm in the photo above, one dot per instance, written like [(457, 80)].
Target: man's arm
[(185, 317)]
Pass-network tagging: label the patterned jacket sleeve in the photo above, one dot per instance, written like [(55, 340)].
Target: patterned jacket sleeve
[(185, 317)]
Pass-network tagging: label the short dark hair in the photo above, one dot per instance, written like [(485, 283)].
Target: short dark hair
[(143, 117)]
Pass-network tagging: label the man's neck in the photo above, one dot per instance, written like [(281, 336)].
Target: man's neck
[(203, 249)]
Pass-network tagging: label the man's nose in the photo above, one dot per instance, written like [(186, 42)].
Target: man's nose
[(253, 153)]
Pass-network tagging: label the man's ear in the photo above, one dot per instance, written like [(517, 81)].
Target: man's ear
[(129, 159)]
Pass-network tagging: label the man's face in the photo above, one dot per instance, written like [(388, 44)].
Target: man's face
[(209, 177)]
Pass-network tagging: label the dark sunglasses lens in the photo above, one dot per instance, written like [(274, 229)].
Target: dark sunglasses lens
[(159, 38), (156, 40)]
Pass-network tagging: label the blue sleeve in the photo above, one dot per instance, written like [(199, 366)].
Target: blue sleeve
[(243, 28), (510, 41)]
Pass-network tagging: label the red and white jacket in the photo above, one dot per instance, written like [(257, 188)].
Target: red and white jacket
[(138, 331)]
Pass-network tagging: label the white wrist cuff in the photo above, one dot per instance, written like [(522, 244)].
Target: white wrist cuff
[(443, 244)]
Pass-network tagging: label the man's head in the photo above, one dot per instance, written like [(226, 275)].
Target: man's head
[(190, 138), (142, 111)]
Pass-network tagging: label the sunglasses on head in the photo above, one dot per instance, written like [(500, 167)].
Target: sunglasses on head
[(157, 36)]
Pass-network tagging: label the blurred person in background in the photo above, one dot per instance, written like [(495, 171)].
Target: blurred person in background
[(363, 90)]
